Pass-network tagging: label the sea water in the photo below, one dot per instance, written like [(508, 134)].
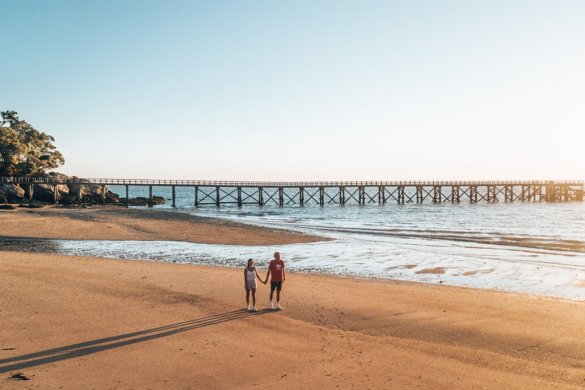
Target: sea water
[(536, 248)]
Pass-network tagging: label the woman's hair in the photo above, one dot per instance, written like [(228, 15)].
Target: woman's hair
[(250, 262)]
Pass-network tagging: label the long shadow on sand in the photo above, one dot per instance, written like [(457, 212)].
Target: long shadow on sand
[(93, 346)]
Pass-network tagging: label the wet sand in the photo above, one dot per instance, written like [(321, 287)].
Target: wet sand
[(137, 224), (80, 322)]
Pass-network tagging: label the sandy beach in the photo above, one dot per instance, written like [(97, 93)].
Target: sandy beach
[(77, 322), (118, 223)]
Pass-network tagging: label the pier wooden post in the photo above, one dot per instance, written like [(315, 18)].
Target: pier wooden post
[(341, 196), (196, 196), (322, 196), (473, 194), (436, 194), (217, 199), (400, 194), (381, 195), (174, 196), (280, 196), (240, 196), (302, 196), (454, 194), (30, 192), (150, 202), (260, 197), (491, 192), (127, 196), (361, 195)]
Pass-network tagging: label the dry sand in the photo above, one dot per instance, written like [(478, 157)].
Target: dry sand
[(76, 322)]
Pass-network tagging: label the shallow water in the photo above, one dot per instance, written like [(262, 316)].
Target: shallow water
[(536, 248)]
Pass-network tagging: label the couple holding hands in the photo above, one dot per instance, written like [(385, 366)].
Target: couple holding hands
[(275, 271)]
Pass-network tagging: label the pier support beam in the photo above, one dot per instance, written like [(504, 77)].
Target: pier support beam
[(240, 196), (437, 194), (342, 196), (400, 194), (150, 202), (260, 196), (419, 195), (196, 190), (508, 194), (217, 199), (31, 192), (127, 196), (174, 196), (473, 194), (302, 196), (322, 196), (280, 196)]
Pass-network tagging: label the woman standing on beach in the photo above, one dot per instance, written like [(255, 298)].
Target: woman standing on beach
[(250, 276)]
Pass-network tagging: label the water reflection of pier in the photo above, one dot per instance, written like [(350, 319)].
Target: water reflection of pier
[(242, 193)]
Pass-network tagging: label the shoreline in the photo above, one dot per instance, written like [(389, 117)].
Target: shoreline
[(334, 330), (223, 242), (300, 272)]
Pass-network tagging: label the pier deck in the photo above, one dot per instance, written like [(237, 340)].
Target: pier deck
[(217, 193)]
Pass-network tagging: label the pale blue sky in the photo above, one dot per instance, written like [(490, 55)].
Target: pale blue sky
[(302, 90)]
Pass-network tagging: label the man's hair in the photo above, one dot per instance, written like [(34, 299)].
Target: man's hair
[(276, 255)]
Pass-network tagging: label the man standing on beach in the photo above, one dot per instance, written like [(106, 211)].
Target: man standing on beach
[(276, 271)]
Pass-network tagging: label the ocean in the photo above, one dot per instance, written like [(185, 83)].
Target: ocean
[(534, 248)]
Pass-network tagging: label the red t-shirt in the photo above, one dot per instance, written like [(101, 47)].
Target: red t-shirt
[(276, 268)]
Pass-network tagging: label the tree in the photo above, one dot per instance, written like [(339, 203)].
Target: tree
[(25, 151)]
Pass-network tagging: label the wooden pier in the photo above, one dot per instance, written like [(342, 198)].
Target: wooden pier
[(218, 193)]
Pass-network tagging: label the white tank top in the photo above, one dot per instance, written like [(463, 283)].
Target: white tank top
[(250, 275)]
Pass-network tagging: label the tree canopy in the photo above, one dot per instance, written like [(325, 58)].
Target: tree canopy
[(25, 151)]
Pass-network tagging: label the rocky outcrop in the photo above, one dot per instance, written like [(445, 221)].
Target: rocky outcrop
[(141, 201), (11, 193), (73, 192)]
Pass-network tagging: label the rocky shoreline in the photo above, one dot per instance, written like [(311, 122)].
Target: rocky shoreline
[(73, 193)]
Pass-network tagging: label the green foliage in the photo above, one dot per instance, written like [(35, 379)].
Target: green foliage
[(25, 151)]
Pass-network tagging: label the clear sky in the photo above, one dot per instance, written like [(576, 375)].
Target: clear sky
[(302, 90)]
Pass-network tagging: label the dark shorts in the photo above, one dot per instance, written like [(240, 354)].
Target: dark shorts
[(275, 286)]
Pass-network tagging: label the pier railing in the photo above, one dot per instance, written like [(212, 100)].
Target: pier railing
[(227, 183), (283, 193)]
